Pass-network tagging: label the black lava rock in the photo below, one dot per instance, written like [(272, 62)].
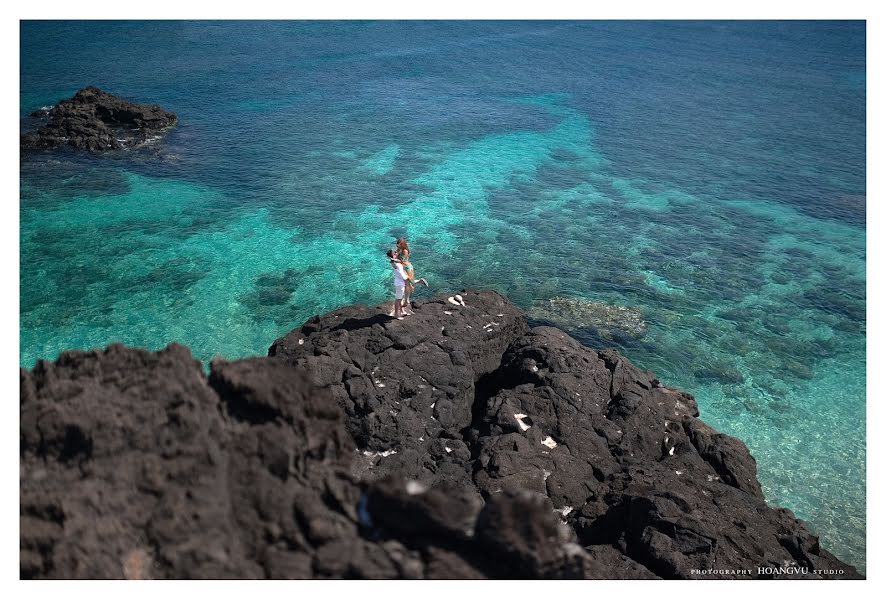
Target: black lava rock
[(369, 447), (96, 121)]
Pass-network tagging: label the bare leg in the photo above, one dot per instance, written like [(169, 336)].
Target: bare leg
[(398, 308), (407, 296)]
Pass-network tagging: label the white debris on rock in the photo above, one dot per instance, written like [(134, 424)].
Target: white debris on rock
[(564, 511), (534, 369), (713, 477), (545, 474), (301, 342), (671, 452), (678, 472), (413, 488), (382, 454), (447, 448), (452, 300), (549, 442), (520, 417), (447, 312)]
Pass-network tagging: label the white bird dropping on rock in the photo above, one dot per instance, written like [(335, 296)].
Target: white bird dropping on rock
[(549, 442), (671, 452), (452, 300), (520, 417)]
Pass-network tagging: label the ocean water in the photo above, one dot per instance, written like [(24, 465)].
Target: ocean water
[(710, 175)]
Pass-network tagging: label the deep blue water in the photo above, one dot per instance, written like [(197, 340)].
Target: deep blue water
[(710, 175)]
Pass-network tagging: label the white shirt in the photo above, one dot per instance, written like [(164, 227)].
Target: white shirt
[(399, 274)]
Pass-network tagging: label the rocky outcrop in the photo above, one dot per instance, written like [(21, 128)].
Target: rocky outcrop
[(403, 384), (96, 121), (456, 443)]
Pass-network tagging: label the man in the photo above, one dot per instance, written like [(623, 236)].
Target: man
[(399, 285)]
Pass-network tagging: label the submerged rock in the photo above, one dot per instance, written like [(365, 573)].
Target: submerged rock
[(609, 321), (374, 448), (97, 121)]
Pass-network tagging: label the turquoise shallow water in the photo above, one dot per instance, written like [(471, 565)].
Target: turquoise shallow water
[(711, 176)]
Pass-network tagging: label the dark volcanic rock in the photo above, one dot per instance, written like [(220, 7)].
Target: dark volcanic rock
[(408, 387), (134, 464), (374, 448), (97, 121)]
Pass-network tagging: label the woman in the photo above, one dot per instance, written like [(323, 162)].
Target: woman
[(403, 255)]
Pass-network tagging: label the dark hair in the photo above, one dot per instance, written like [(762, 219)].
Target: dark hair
[(390, 254)]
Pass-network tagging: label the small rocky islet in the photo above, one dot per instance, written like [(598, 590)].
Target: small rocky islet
[(457, 443), (93, 120)]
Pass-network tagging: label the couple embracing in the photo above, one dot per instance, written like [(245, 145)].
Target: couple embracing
[(404, 279)]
